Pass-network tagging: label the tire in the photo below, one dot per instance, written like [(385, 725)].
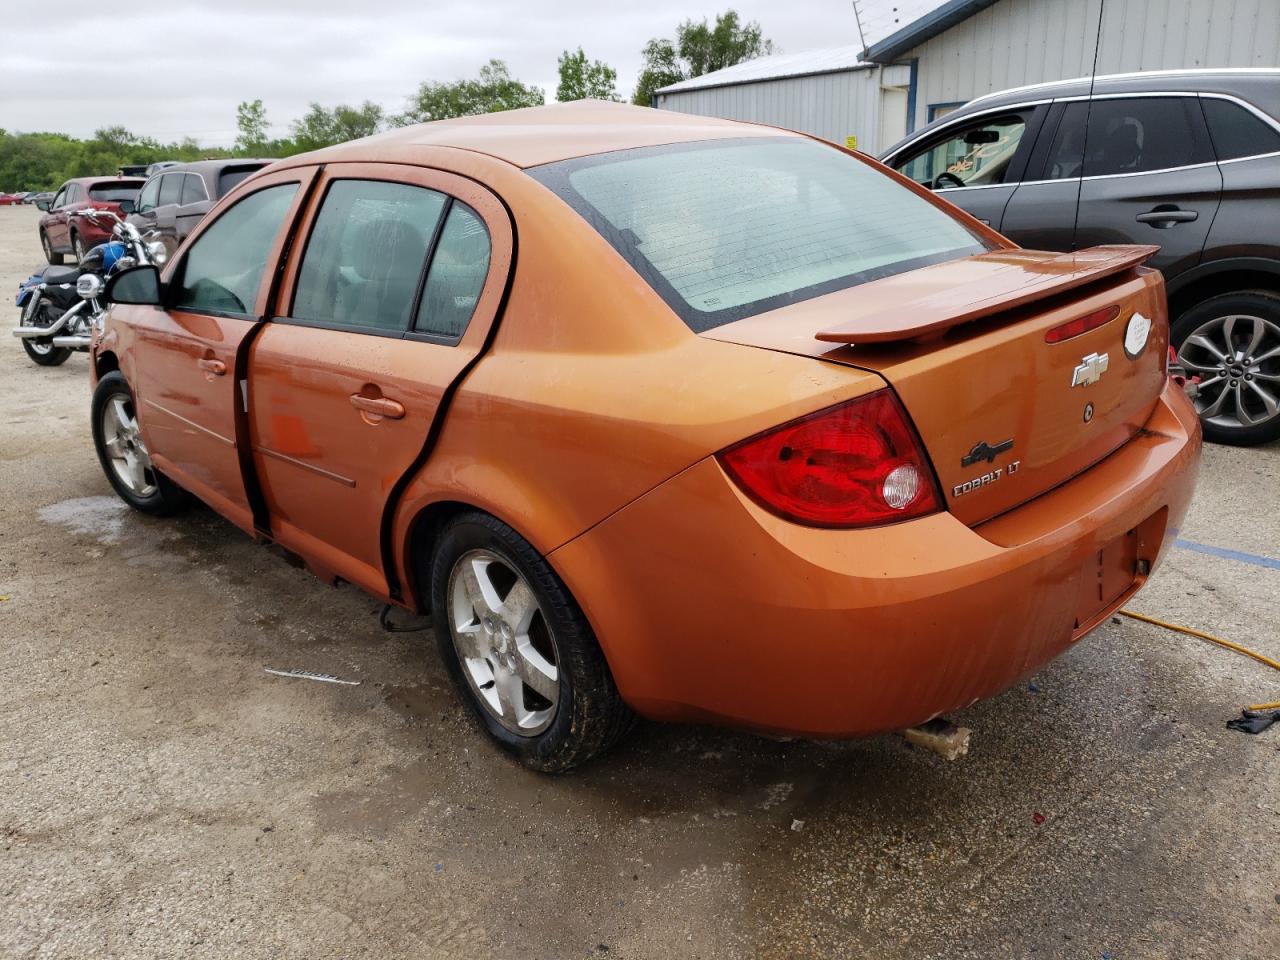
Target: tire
[(1232, 343), (43, 352), (586, 715), (77, 247), (123, 454), (53, 258)]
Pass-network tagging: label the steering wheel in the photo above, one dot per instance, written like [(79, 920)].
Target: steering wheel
[(950, 180)]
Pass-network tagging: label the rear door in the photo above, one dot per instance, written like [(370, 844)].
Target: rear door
[(1150, 176), (1042, 214), (185, 353), (976, 164), (382, 308)]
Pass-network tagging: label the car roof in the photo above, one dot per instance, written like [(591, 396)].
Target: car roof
[(536, 135), (95, 181), (1240, 81), (213, 166)]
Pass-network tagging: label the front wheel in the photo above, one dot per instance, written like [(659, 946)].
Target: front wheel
[(53, 258), (520, 649), (78, 246), (1231, 343), (124, 455)]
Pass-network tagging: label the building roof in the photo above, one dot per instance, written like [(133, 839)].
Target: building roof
[(535, 135), (776, 67), (923, 28)]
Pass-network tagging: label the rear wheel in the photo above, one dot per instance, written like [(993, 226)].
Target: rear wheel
[(1231, 343), (53, 258), (78, 246), (519, 648), (43, 352), (124, 455)]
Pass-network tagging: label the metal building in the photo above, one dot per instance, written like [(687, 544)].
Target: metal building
[(961, 49)]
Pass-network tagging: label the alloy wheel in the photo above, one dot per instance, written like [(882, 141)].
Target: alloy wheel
[(78, 244), (124, 447), (1237, 358), (503, 641), (48, 250)]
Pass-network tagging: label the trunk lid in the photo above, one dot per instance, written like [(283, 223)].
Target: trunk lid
[(1004, 414)]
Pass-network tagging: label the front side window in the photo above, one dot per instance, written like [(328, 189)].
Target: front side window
[(149, 198), (726, 229), (364, 260), (223, 268), (1236, 132), (1144, 134), (60, 200), (456, 276), (976, 155)]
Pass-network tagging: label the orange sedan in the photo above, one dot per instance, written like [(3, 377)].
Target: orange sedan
[(660, 414)]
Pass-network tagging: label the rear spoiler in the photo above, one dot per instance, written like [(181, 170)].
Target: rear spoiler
[(922, 304)]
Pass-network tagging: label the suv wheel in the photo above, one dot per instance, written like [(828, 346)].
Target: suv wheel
[(519, 648), (77, 245), (53, 258), (1232, 343)]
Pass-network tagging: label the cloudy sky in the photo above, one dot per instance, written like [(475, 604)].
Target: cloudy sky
[(181, 66)]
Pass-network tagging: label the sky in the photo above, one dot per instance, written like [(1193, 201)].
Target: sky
[(179, 67)]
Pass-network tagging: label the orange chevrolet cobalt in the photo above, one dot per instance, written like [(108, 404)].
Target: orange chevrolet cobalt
[(660, 415)]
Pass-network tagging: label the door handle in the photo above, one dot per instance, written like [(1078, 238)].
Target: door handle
[(215, 367), (378, 406), (1169, 215)]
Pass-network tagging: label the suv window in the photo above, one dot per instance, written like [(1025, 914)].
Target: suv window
[(231, 176), (148, 199), (1135, 136), (725, 229), (223, 268), (113, 192), (974, 155), (1236, 132), (60, 200), (364, 259), (170, 189), (193, 189), (458, 270)]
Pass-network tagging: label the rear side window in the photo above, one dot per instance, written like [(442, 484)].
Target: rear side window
[(365, 256), (193, 189), (1236, 132), (113, 192), (456, 277), (1140, 135), (730, 228), (223, 268), (170, 189), (231, 176)]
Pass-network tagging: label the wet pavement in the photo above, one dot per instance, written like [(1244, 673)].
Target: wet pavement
[(163, 796)]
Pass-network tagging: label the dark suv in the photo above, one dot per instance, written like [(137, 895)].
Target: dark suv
[(1186, 159), (178, 196)]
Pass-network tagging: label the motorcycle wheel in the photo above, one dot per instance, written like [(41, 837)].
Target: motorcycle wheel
[(43, 352)]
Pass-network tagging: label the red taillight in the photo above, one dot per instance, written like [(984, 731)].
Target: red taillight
[(1073, 328), (855, 465)]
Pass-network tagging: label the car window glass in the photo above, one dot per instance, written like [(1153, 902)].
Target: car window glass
[(59, 200), (113, 192), (975, 155), (458, 270), (193, 189), (170, 188), (231, 176), (1236, 132), (1138, 135), (365, 255), (149, 196), (1065, 159), (223, 268)]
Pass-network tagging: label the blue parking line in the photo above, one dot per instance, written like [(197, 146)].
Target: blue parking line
[(1251, 558)]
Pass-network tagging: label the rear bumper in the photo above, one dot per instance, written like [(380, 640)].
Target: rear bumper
[(712, 609)]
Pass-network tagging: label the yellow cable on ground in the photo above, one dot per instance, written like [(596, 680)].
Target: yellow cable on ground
[(1260, 657)]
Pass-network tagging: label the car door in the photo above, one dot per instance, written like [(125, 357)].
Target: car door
[(382, 308), (185, 353), (167, 205), (976, 163), (195, 206), (1041, 215), (1150, 176), (56, 225), (144, 214)]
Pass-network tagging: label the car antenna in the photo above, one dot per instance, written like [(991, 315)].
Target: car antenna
[(1088, 115)]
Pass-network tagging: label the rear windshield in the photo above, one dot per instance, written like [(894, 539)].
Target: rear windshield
[(231, 176), (115, 192), (725, 229)]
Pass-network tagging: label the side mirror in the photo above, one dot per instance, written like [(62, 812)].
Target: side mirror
[(43, 205), (127, 207), (140, 285)]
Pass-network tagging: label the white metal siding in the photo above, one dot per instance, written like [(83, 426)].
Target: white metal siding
[(1017, 42), (829, 105)]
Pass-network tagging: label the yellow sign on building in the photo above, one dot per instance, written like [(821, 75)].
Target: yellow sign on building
[(851, 142)]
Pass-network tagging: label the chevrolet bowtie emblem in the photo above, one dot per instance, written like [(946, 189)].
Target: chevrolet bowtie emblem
[(1090, 370), (985, 451)]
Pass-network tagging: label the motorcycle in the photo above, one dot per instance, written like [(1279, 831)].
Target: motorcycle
[(61, 306)]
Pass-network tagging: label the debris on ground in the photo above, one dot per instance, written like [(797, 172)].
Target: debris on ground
[(1254, 721), (941, 736), (308, 675)]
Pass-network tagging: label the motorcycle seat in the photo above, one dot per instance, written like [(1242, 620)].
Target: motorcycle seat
[(55, 275)]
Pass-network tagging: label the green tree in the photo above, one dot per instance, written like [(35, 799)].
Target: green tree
[(251, 121), (322, 128), (697, 49), (494, 90), (582, 80)]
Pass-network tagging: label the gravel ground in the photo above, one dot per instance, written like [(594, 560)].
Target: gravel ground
[(164, 797)]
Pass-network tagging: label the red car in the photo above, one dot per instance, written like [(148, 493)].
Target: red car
[(10, 199), (62, 232)]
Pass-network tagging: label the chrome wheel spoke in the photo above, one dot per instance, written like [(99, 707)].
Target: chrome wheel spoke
[(472, 641), (510, 690), (1198, 367), (1268, 403), (534, 669), (1215, 408), (1204, 343), (518, 607)]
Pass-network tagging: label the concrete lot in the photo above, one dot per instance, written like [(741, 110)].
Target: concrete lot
[(164, 797)]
